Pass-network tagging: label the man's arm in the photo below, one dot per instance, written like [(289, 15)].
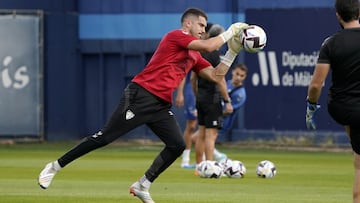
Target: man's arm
[(208, 45), (225, 95), (216, 74), (179, 100), (193, 80), (314, 91), (317, 81), (214, 43)]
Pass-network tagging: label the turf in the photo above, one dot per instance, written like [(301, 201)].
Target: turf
[(106, 174)]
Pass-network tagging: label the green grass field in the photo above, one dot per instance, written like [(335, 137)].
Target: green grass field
[(105, 175)]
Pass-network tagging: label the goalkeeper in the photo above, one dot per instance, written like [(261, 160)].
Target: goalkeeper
[(147, 99)]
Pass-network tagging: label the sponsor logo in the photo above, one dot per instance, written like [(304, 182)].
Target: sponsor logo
[(215, 123), (13, 77), (129, 115), (289, 75), (96, 135)]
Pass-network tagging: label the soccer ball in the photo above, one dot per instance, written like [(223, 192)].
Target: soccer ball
[(224, 163), (253, 39), (209, 169), (200, 168), (266, 169), (235, 169)]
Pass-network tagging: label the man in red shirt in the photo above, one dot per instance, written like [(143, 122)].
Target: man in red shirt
[(147, 99)]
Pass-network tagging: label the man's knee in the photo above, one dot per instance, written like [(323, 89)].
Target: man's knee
[(97, 139), (178, 148)]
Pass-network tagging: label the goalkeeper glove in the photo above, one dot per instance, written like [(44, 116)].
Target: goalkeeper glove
[(311, 110), (234, 30), (235, 45), (228, 58)]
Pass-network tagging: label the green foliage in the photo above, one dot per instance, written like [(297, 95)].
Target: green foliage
[(106, 174)]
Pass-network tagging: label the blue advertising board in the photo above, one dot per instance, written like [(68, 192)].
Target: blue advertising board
[(21, 102), (279, 75)]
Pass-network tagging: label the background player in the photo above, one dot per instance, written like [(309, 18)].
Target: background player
[(341, 54), (208, 102), (185, 97), (237, 93)]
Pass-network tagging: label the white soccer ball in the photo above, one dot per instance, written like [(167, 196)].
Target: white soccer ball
[(266, 169), (253, 39), (209, 169), (224, 163), (200, 168), (235, 169)]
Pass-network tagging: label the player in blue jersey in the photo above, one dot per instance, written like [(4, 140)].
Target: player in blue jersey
[(237, 93), (185, 97)]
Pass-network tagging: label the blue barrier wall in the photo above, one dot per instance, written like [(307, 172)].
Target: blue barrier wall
[(62, 76), (94, 47), (279, 75)]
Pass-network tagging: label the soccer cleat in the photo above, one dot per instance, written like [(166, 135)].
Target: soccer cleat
[(184, 162), (220, 156), (188, 166), (46, 175), (196, 172), (139, 191)]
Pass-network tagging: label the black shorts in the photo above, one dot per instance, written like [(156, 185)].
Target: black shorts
[(345, 114), (138, 106), (210, 114)]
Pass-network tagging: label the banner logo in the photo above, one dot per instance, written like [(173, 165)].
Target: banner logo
[(269, 69), (12, 77)]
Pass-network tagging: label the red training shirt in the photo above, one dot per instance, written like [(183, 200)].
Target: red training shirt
[(169, 65)]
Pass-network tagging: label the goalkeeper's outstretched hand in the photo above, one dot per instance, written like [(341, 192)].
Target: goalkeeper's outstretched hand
[(234, 47), (238, 27), (311, 110), (234, 30), (234, 44)]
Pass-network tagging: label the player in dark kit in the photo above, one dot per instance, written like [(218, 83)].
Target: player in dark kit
[(340, 53), (147, 99), (208, 103)]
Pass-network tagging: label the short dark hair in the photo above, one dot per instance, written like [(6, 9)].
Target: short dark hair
[(241, 66), (348, 10), (214, 30), (193, 11)]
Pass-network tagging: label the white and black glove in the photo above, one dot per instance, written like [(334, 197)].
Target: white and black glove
[(234, 30), (311, 109)]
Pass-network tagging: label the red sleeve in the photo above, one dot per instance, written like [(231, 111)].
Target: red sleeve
[(184, 39), (201, 64)]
